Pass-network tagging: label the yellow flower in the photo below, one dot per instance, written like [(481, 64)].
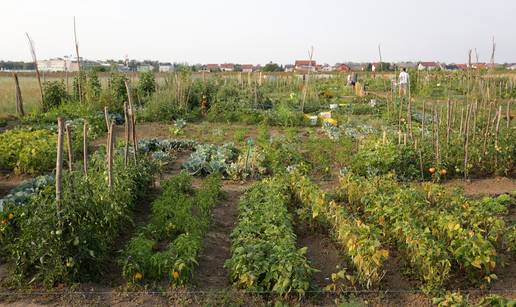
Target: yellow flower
[(11, 216), (138, 276), (175, 274)]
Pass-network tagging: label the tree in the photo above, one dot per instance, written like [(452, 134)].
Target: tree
[(147, 84), (272, 67)]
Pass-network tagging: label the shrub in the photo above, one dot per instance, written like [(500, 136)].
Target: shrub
[(146, 84), (54, 93)]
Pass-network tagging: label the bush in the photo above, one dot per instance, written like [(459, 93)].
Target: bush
[(54, 93), (146, 84)]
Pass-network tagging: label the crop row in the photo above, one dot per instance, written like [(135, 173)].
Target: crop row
[(438, 233), (168, 246), (70, 241), (360, 241), (264, 256)]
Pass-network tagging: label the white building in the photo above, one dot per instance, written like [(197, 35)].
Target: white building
[(166, 68), (144, 68)]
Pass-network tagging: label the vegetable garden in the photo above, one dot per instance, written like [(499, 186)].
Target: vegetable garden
[(198, 189)]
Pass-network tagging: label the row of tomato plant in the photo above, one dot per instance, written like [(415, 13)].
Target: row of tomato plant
[(53, 243), (168, 246), (439, 233), (360, 241), (264, 256)]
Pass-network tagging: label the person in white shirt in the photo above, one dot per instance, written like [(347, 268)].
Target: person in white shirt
[(403, 82)]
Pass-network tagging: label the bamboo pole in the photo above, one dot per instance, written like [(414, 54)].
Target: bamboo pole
[(110, 155), (59, 161), (79, 86), (448, 121), (35, 60), (466, 142), (127, 131), (106, 117), (18, 96), (305, 89), (85, 147), (508, 114), (68, 129)]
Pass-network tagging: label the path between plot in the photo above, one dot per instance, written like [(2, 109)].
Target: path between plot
[(211, 274)]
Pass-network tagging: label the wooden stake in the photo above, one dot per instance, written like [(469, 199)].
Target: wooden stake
[(127, 131), (69, 147), (85, 147), (35, 60), (19, 100), (466, 142), (106, 117), (508, 114), (59, 161), (110, 155), (79, 87)]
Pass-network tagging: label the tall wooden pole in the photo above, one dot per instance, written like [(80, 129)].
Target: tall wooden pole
[(78, 60), (69, 146), (85, 147), (59, 161), (35, 60)]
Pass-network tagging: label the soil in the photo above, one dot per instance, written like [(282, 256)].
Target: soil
[(484, 187), (211, 274), (322, 253)]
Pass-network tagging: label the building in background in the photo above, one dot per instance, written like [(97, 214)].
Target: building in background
[(144, 68), (428, 66), (227, 67), (166, 67), (247, 67), (304, 66)]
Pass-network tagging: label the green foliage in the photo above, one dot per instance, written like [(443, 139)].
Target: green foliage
[(438, 232), (375, 158), (272, 67), (168, 246), (264, 256), (73, 243), (360, 241), (208, 159), (28, 152), (54, 93), (117, 94), (146, 84)]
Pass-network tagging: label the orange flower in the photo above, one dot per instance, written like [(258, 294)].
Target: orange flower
[(175, 274)]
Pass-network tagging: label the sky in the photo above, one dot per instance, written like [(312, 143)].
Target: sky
[(259, 31)]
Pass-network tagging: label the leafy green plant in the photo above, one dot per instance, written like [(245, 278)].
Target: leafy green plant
[(168, 246), (71, 242), (264, 256), (54, 93)]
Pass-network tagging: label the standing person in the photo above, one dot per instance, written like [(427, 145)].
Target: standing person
[(349, 79), (403, 82), (354, 78)]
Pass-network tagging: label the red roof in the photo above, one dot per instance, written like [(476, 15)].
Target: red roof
[(227, 65), (305, 63), (343, 67), (462, 66), (247, 66), (212, 66)]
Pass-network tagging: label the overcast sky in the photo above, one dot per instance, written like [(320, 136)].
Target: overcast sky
[(259, 31)]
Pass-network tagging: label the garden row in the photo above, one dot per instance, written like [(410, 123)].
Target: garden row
[(167, 247)]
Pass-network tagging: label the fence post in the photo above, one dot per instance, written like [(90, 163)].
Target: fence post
[(110, 142), (19, 100)]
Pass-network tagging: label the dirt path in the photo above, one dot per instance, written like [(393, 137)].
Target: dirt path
[(321, 251), (211, 274), (484, 187)]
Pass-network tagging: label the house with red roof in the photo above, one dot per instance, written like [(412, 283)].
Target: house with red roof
[(304, 66), (342, 67), (227, 67), (247, 67), (213, 67)]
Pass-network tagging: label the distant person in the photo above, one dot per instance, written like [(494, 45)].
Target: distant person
[(349, 79), (403, 82), (354, 79)]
